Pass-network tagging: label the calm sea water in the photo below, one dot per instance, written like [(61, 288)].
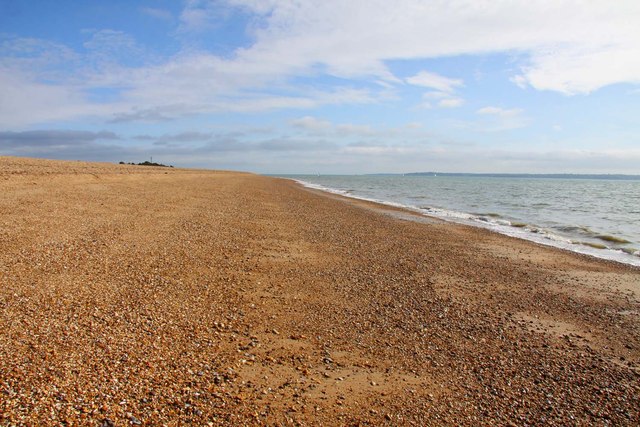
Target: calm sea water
[(594, 216)]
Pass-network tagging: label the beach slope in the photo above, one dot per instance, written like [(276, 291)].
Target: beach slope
[(134, 295)]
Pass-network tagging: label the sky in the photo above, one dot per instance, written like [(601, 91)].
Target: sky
[(330, 86)]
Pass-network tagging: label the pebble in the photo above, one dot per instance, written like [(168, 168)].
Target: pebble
[(114, 289)]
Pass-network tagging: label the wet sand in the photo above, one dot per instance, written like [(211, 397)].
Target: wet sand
[(135, 295)]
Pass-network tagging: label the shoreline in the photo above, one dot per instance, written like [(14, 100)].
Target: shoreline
[(550, 240), (134, 296), (410, 213)]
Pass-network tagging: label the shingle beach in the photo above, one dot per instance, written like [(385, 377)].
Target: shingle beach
[(134, 295)]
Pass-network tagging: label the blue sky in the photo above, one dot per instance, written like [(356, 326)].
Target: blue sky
[(275, 86)]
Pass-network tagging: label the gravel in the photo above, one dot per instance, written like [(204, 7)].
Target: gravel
[(147, 296)]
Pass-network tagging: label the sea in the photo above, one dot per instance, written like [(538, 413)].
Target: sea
[(593, 215)]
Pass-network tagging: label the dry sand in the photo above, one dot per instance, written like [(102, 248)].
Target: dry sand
[(153, 296)]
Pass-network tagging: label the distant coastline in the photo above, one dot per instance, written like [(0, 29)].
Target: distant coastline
[(526, 175), (611, 177)]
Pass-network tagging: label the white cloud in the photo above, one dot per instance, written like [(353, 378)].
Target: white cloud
[(435, 81), (520, 81), (444, 93), (351, 129), (292, 41), (561, 45), (444, 100), (451, 102), (573, 48), (312, 124), (500, 119), (196, 15), (348, 131), (23, 102), (201, 15), (583, 72), (30, 58)]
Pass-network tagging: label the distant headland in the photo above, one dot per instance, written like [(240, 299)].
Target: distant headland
[(530, 175), (147, 163)]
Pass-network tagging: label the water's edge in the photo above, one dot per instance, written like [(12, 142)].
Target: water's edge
[(501, 226)]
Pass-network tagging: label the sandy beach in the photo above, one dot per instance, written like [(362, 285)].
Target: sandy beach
[(134, 295)]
